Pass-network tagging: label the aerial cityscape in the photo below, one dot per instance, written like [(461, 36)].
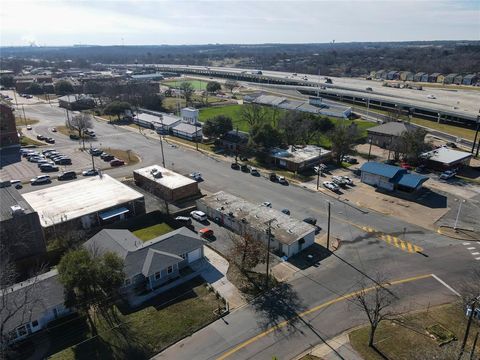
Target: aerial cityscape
[(278, 180)]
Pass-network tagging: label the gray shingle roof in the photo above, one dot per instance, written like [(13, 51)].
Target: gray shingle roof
[(135, 253), (392, 128), (9, 196), (37, 294)]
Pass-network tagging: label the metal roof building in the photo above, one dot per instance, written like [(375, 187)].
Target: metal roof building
[(445, 158), (94, 201), (289, 235), (389, 177)]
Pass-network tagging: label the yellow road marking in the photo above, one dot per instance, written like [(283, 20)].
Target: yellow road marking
[(409, 246), (402, 244), (314, 309)]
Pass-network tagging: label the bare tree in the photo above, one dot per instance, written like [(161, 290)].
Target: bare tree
[(80, 123), (253, 114), (15, 307), (231, 84), (247, 251), (375, 301)]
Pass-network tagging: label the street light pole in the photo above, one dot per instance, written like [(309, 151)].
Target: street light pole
[(328, 227), (458, 214), (467, 330), (268, 251)]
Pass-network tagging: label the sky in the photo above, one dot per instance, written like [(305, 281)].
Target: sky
[(135, 22)]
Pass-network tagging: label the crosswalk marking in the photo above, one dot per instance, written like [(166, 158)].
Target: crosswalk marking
[(476, 253), (466, 243), (471, 248), (393, 240)]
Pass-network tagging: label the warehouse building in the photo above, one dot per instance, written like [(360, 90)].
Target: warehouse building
[(94, 202), (391, 178), (299, 158), (188, 131), (160, 122), (165, 183), (288, 235), (444, 158)]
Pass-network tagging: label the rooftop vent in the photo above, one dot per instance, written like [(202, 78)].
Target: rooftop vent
[(17, 210), (156, 173)]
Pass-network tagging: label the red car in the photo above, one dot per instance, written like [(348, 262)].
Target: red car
[(205, 233), (117, 162), (406, 166)]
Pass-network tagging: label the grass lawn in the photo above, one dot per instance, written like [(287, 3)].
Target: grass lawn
[(153, 231), (168, 318), (25, 140), (464, 133), (19, 121), (197, 84), (128, 156), (397, 339)]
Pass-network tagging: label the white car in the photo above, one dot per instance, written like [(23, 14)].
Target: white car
[(254, 171), (347, 180), (338, 180), (41, 179), (198, 215), (331, 186), (431, 96), (29, 127), (282, 180), (196, 176), (267, 204), (447, 175)]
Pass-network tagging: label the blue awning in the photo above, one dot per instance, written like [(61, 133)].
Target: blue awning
[(112, 213), (412, 180)]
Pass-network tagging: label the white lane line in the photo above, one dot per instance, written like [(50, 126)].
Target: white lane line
[(476, 253), (466, 243), (477, 258), (471, 248), (446, 285)]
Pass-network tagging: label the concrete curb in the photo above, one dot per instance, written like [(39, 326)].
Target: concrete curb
[(451, 233)]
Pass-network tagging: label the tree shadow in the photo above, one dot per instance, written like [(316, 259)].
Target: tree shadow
[(279, 308), (381, 354)]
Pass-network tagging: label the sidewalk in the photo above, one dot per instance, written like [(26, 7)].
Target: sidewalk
[(216, 276), (337, 348)]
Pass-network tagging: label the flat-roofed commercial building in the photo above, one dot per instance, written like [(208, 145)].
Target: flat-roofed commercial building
[(444, 158), (288, 235), (165, 183), (84, 204), (299, 158)]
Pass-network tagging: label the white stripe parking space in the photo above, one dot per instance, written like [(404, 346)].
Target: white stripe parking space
[(474, 248)]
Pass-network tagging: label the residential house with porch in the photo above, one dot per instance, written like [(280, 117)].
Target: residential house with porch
[(153, 266)]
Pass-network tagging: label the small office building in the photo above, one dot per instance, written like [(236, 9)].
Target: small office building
[(299, 158), (444, 158), (188, 131), (165, 183), (93, 202), (288, 235), (390, 178)]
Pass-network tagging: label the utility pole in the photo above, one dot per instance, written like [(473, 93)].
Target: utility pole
[(328, 227), (268, 251), (370, 150), (161, 145), (472, 353), (467, 330), (196, 138), (24, 117), (236, 149), (93, 160), (476, 135)]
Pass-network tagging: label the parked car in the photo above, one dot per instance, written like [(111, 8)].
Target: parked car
[(267, 204), (235, 166), (338, 180), (205, 233), (310, 220), (282, 180), (321, 167), (54, 129), (389, 162), (107, 157), (90, 172), (68, 175), (273, 176), (52, 154), (41, 179), (198, 215), (40, 137), (254, 171), (47, 151), (16, 183), (349, 159), (196, 176), (90, 133), (421, 169), (50, 140), (431, 96), (117, 162), (452, 145), (48, 168), (95, 152), (74, 137), (331, 186), (63, 161), (184, 220), (406, 166), (35, 159), (244, 168), (29, 127), (43, 162), (347, 180), (286, 211), (448, 174)]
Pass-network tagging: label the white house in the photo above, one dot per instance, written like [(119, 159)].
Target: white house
[(189, 115)]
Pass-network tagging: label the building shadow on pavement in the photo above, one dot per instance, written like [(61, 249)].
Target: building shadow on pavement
[(311, 256)]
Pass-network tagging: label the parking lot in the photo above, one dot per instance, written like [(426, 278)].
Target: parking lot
[(26, 170)]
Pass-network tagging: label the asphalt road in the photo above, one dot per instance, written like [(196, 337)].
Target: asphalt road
[(362, 253)]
